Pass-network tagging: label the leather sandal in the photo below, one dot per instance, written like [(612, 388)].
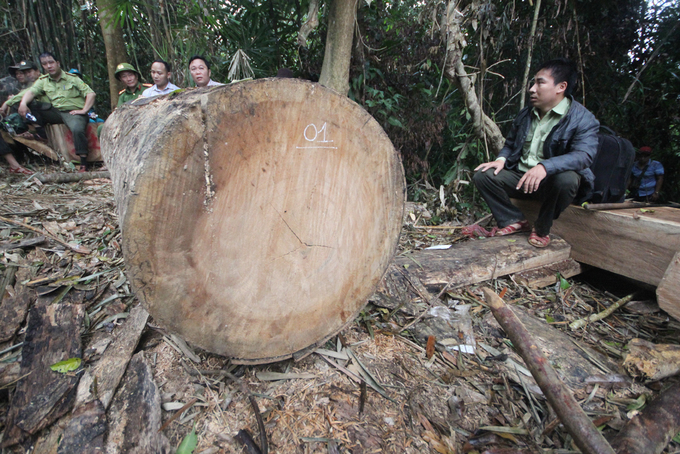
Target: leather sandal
[(538, 241), (20, 171), (515, 227)]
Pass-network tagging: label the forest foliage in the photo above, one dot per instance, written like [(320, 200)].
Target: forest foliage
[(628, 52)]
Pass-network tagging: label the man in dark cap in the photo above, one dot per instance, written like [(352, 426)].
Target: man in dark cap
[(129, 75), (647, 177), (18, 74), (29, 73)]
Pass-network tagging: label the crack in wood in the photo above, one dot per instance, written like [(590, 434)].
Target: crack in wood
[(296, 236), (209, 192)]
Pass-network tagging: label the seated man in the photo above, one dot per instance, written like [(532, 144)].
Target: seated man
[(30, 73), (18, 74), (70, 100), (161, 72), (647, 177), (8, 155), (127, 74), (199, 68), (547, 154)]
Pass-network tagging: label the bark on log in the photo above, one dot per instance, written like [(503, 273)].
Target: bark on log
[(257, 217), (84, 433), (586, 436), (101, 381), (134, 418), (652, 429), (43, 395), (652, 362)]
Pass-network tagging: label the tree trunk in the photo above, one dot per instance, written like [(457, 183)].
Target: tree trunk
[(257, 217), (114, 44), (336, 60), (527, 66), (485, 128)]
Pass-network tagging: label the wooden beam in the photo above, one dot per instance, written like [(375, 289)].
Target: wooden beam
[(476, 261), (547, 275), (633, 243), (668, 291)]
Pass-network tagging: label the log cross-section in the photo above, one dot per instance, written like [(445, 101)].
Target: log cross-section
[(257, 217)]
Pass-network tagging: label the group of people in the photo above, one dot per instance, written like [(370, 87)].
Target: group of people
[(547, 153), (161, 73), (60, 97)]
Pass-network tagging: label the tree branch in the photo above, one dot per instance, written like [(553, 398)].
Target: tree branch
[(454, 69), (585, 434)]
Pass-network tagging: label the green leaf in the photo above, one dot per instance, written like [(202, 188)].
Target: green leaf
[(189, 443), (638, 404), (65, 366), (563, 282), (549, 319), (676, 438)]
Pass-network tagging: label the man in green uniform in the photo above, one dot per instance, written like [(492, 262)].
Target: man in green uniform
[(127, 74), (70, 99)]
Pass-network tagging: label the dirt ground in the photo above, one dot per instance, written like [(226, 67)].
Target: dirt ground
[(453, 402)]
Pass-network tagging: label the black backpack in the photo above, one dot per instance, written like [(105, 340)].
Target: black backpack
[(612, 166)]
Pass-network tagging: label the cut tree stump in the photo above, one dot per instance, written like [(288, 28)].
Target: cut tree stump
[(257, 217)]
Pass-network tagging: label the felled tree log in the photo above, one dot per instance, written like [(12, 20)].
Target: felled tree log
[(257, 217), (652, 429)]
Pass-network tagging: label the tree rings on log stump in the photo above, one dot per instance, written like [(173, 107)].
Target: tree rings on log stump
[(257, 217)]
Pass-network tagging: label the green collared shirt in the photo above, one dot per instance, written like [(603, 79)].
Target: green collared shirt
[(129, 95), (66, 93), (539, 130), (16, 99)]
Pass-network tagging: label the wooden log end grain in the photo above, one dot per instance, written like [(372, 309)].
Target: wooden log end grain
[(257, 217)]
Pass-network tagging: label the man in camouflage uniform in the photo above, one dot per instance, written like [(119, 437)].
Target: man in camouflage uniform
[(70, 99), (29, 73), (127, 74)]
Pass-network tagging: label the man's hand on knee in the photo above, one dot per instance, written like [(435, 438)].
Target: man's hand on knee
[(496, 165), (78, 112), (531, 180)]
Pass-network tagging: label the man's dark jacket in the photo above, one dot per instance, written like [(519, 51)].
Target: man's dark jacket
[(570, 145)]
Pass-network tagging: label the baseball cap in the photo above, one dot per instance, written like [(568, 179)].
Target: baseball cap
[(645, 150), (27, 64)]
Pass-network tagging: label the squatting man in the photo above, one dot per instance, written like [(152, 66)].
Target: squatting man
[(546, 156)]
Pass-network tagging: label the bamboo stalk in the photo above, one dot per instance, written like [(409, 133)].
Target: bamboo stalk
[(600, 315), (585, 434)]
